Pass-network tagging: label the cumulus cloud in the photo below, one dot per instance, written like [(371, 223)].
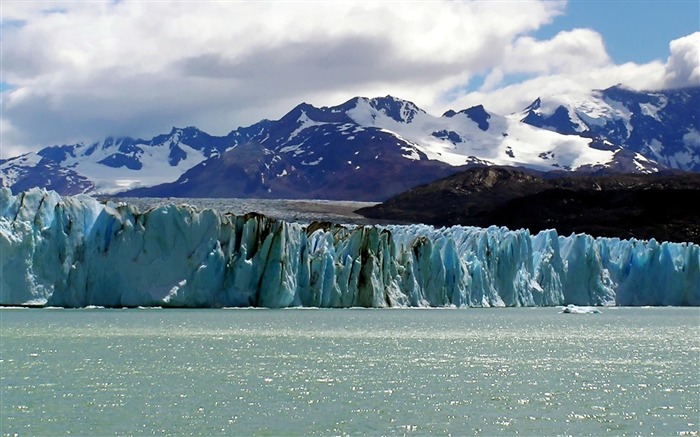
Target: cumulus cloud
[(552, 67), (80, 71), (683, 66), (569, 52), (84, 70)]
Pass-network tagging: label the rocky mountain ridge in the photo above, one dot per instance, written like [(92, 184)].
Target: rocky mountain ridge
[(664, 206), (371, 149)]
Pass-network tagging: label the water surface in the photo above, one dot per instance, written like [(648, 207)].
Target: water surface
[(528, 371)]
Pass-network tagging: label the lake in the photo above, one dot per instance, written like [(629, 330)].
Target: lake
[(504, 371)]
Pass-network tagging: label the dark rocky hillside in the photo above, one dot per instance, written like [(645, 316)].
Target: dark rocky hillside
[(251, 171), (663, 206)]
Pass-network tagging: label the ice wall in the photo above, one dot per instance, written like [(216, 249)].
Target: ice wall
[(75, 251)]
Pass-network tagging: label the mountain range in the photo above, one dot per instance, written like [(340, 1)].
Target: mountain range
[(371, 149)]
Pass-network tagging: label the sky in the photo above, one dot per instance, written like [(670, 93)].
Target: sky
[(73, 71)]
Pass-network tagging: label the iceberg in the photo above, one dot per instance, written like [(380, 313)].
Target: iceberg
[(573, 309), (79, 252)]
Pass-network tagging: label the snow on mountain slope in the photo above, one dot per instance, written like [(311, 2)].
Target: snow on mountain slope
[(455, 137), (324, 157), (31, 170), (115, 164), (154, 166), (662, 125), (370, 149), (14, 169), (378, 146)]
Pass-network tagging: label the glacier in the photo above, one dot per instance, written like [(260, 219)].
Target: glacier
[(76, 252)]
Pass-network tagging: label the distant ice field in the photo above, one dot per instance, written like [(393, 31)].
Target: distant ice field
[(300, 211)]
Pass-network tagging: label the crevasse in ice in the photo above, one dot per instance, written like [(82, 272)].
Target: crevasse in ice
[(76, 251)]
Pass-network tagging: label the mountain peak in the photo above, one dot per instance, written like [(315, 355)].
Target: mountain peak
[(449, 113), (309, 112), (397, 109), (478, 115), (534, 105)]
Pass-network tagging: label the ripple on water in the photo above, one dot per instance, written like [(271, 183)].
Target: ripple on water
[(350, 372)]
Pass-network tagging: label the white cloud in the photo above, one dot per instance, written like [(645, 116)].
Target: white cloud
[(85, 70), (683, 66), (576, 62), (567, 53)]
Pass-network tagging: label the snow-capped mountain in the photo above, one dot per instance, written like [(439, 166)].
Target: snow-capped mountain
[(117, 164), (370, 149), (315, 153), (663, 126), (114, 164)]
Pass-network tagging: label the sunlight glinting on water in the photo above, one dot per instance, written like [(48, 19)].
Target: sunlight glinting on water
[(506, 371)]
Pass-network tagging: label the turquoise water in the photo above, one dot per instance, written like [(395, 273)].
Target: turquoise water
[(318, 372)]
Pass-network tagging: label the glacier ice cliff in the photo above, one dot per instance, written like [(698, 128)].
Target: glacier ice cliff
[(76, 251)]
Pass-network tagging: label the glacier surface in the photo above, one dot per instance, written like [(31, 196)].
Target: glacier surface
[(76, 252)]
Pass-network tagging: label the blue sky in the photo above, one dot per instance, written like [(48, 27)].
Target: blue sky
[(136, 68), (633, 30), (636, 31)]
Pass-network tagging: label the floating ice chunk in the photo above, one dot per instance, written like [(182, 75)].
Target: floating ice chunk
[(573, 309)]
